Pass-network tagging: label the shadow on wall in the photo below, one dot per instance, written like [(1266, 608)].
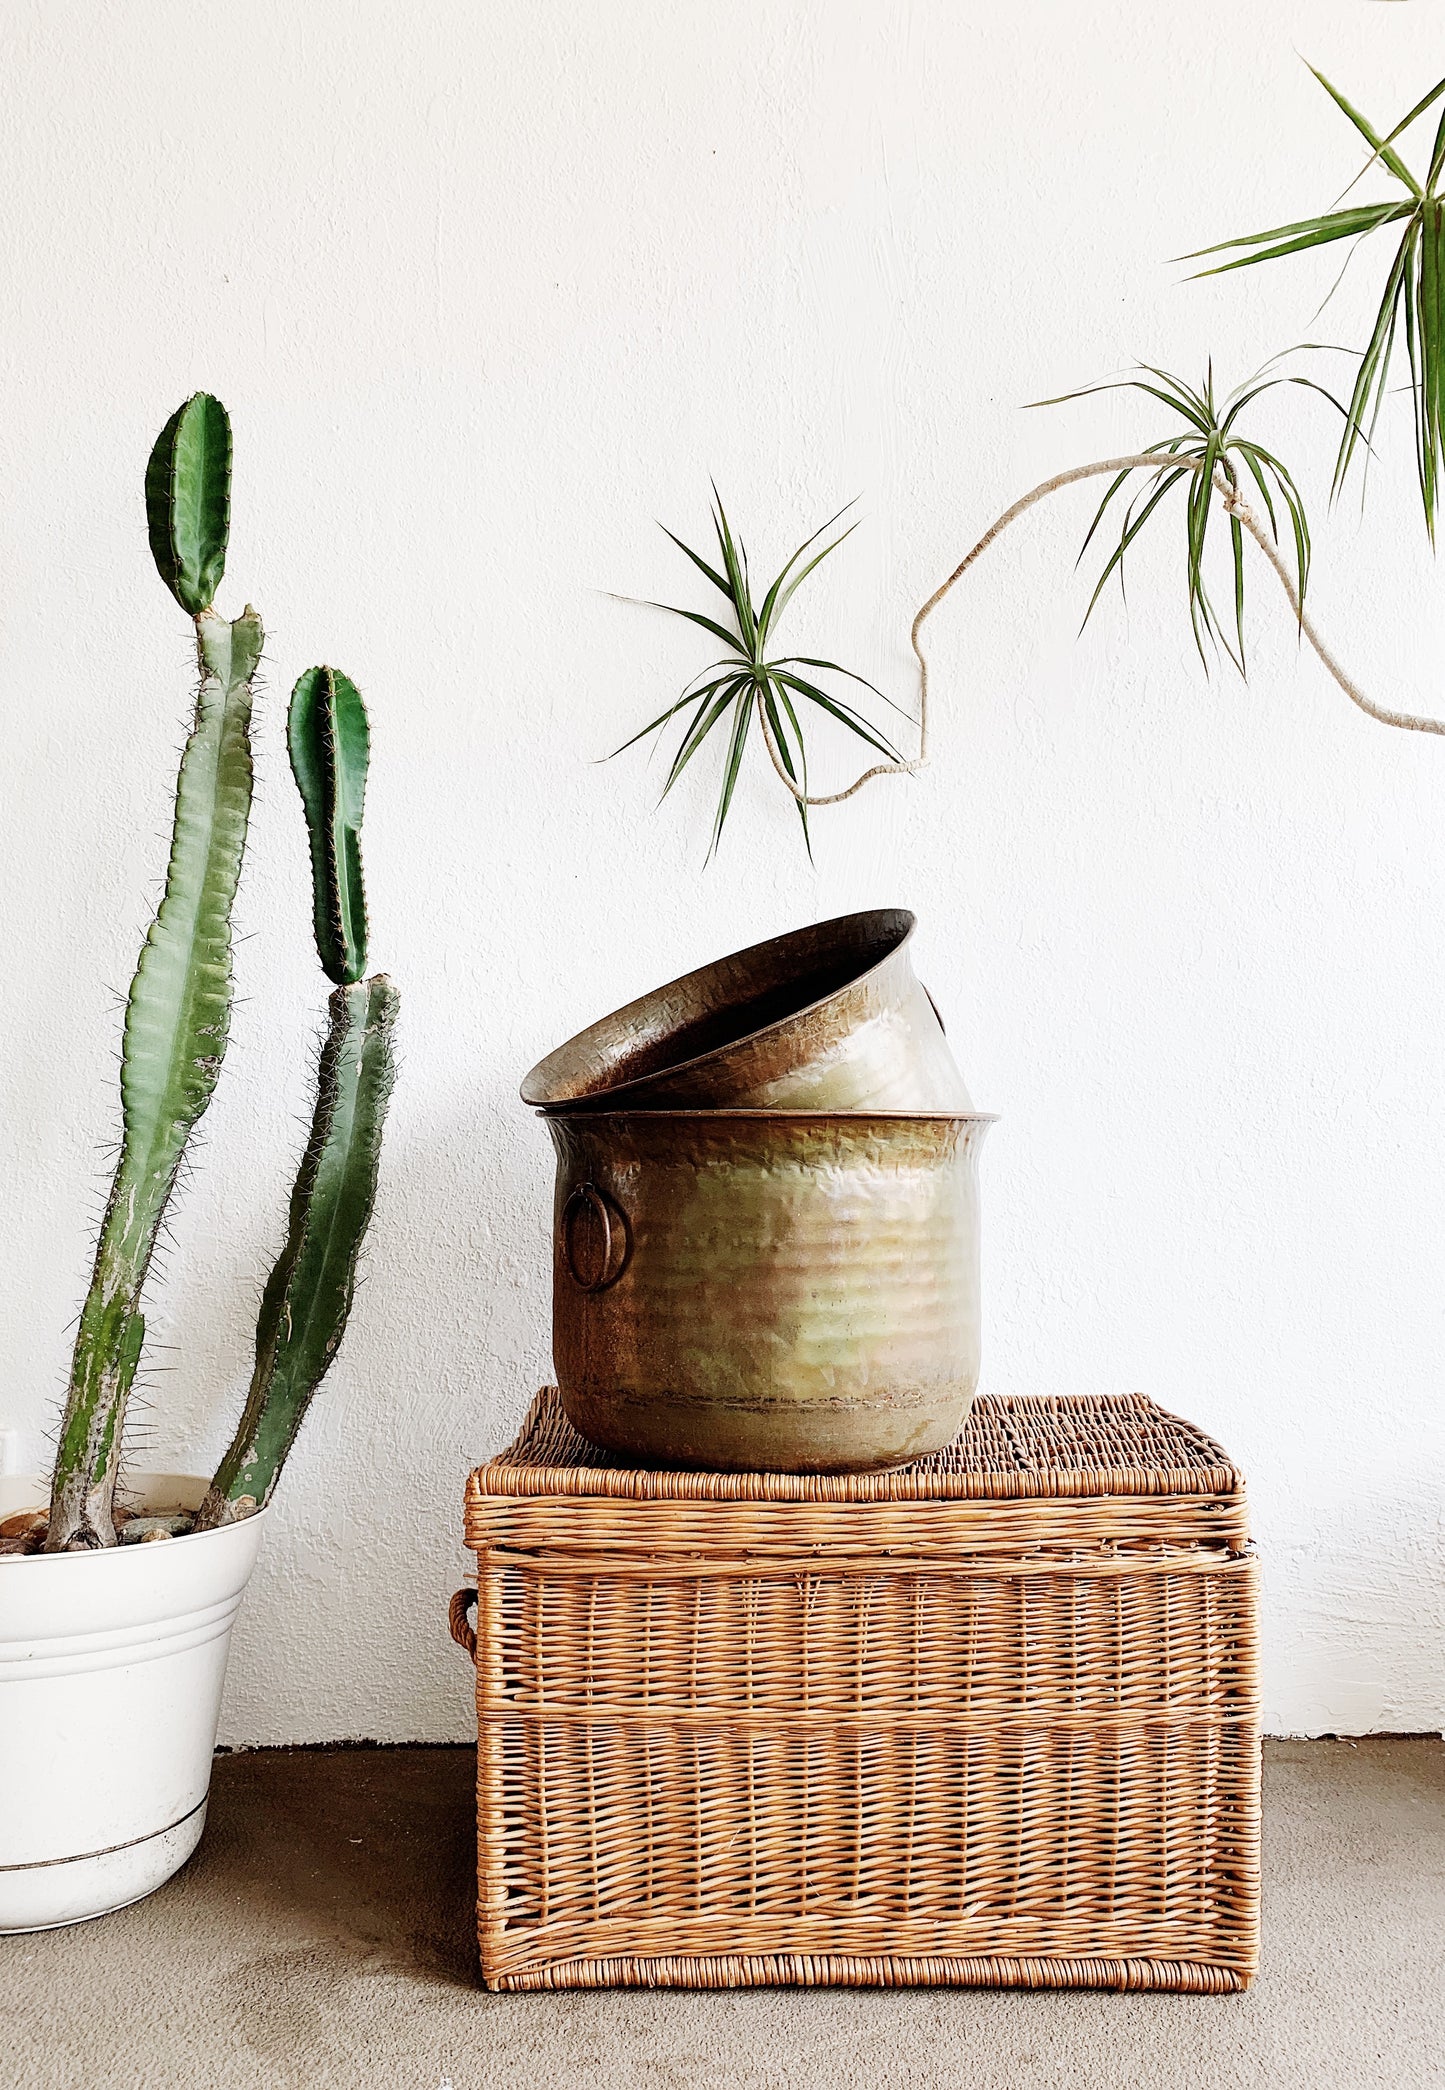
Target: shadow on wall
[(344, 1632)]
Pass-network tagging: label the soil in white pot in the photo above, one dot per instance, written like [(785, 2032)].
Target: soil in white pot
[(25, 1531)]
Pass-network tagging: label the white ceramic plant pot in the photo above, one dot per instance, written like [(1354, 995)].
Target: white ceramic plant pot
[(111, 1668)]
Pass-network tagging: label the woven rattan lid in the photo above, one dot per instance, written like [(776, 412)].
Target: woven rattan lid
[(1044, 1445)]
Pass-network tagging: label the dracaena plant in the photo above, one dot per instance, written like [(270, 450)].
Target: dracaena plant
[(1206, 457), (1214, 459), (1413, 302), (752, 682)]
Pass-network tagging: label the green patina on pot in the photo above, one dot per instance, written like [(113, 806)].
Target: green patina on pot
[(770, 1290)]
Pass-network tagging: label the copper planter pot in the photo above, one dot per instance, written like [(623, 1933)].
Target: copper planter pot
[(829, 1017), (772, 1290)]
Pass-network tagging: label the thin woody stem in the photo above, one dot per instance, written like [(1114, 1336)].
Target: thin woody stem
[(1233, 505)]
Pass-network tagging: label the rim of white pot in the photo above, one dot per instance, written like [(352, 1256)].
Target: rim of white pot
[(150, 1492)]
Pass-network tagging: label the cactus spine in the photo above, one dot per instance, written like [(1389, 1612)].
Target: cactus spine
[(178, 1011), (308, 1296)]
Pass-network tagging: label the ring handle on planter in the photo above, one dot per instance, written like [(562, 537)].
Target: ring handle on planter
[(461, 1625), (587, 1197)]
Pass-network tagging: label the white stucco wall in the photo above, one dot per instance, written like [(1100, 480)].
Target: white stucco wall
[(488, 290)]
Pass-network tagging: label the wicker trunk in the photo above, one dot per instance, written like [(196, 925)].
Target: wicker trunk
[(991, 1718)]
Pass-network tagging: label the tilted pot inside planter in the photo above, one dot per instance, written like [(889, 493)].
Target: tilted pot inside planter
[(111, 1668), (827, 1017)]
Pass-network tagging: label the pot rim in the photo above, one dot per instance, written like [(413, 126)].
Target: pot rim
[(98, 1553), (902, 915), (816, 1117)]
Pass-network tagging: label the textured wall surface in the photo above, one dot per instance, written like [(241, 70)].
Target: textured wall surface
[(488, 291)]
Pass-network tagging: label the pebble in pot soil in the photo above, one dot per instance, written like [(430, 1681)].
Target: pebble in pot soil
[(24, 1532)]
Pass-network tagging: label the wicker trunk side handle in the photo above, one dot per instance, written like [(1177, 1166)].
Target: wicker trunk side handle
[(461, 1625)]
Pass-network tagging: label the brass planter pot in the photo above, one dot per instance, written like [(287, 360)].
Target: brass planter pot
[(829, 1017), (781, 1291)]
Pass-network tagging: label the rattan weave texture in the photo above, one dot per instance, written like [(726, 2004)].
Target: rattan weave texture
[(991, 1718)]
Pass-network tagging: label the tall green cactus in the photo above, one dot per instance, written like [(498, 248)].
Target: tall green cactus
[(178, 1011), (308, 1296)]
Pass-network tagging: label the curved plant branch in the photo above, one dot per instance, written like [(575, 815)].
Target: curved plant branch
[(1233, 505)]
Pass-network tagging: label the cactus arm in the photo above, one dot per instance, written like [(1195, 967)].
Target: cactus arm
[(188, 501), (177, 1018), (329, 743), (308, 1296)]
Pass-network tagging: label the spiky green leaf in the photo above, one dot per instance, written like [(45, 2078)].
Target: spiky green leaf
[(1383, 150), (773, 698), (742, 720), (1133, 524), (693, 739)]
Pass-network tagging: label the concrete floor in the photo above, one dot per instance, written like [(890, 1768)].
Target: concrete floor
[(322, 1938)]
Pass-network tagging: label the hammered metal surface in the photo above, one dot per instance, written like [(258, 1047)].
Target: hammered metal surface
[(830, 1017), (774, 1291)]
